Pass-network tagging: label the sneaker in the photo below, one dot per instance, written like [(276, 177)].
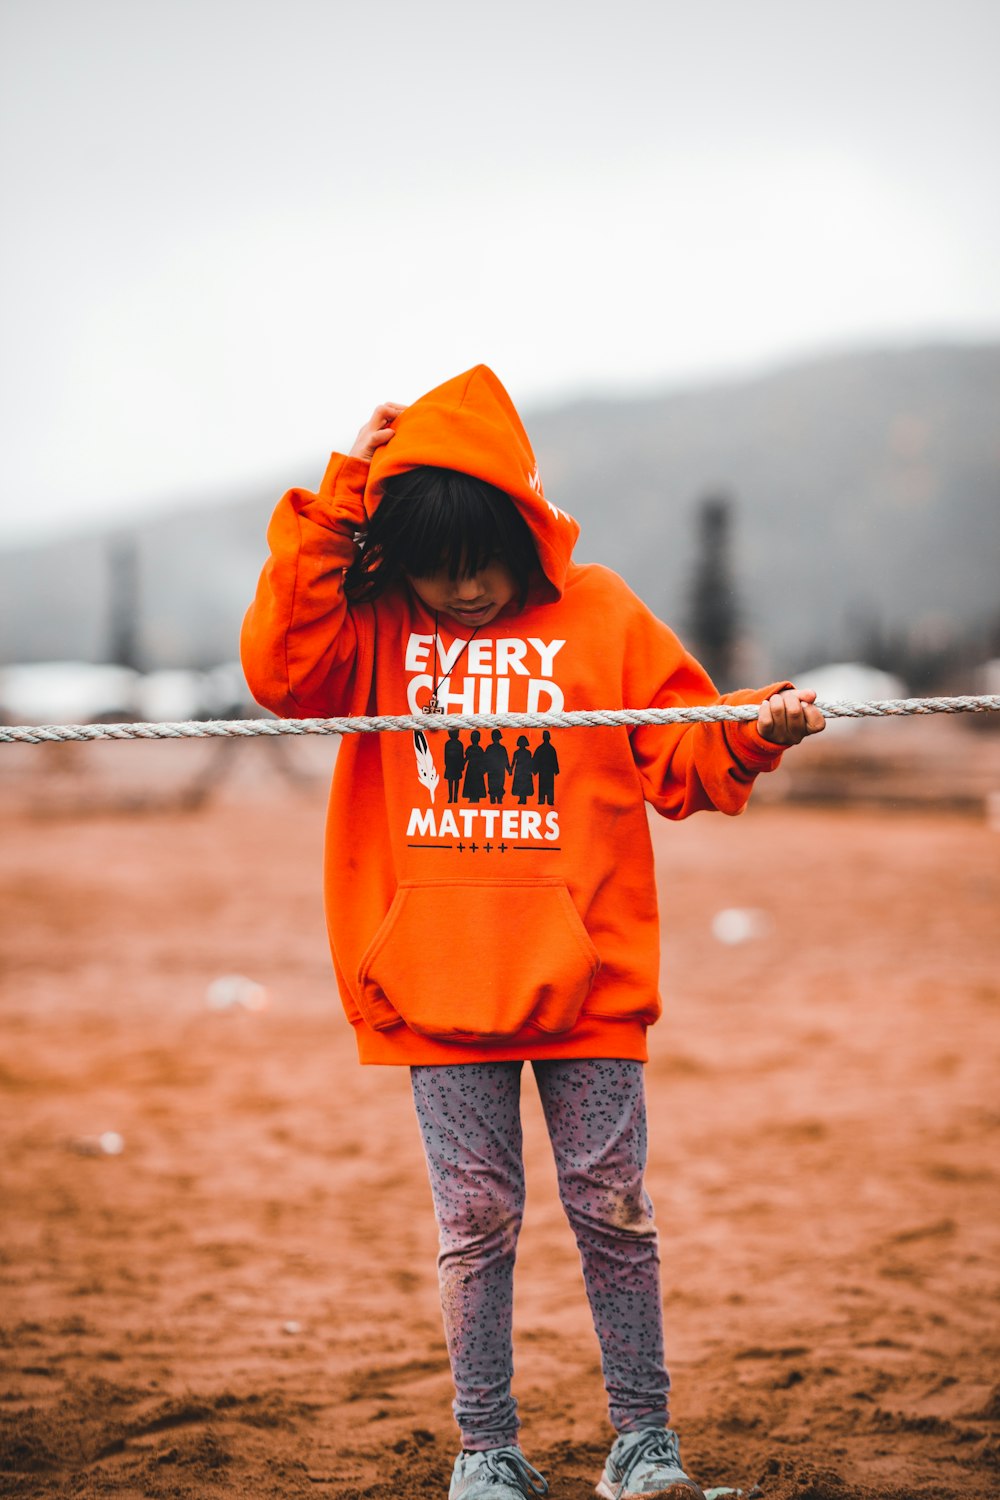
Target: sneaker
[(645, 1463), (496, 1474)]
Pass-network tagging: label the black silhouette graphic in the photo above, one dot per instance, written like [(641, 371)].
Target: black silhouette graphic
[(545, 764), (454, 761), (474, 786), (523, 784), (473, 773), (497, 763)]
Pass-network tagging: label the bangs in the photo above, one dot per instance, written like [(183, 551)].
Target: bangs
[(431, 520), (459, 525)]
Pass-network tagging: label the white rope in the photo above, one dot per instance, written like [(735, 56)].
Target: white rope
[(40, 734)]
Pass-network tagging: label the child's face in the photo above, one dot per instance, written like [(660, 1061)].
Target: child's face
[(471, 601)]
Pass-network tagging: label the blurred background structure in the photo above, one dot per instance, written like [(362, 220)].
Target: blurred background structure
[(736, 268)]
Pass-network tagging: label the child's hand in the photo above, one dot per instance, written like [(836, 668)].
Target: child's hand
[(786, 718), (376, 432)]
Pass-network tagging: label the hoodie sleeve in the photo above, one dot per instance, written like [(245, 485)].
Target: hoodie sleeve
[(305, 652), (686, 768)]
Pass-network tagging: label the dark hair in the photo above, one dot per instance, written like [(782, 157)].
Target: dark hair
[(430, 518)]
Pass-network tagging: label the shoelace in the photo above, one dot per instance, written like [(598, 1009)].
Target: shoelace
[(506, 1464), (656, 1445)]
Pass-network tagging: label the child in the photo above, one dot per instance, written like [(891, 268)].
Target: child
[(545, 764), (498, 766), (522, 786), (468, 938)]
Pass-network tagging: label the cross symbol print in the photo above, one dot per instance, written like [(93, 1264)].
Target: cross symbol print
[(473, 847), (502, 848), (461, 848), (488, 848)]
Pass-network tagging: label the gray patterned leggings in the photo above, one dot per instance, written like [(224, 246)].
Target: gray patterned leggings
[(595, 1110)]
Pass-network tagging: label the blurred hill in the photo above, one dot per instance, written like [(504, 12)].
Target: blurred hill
[(866, 506)]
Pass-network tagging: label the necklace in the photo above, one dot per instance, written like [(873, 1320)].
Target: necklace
[(433, 707)]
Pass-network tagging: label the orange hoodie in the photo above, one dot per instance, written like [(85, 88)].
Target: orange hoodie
[(487, 903)]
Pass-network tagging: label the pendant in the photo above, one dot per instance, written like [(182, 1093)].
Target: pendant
[(432, 707)]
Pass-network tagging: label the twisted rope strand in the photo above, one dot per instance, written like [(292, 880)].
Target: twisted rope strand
[(40, 734)]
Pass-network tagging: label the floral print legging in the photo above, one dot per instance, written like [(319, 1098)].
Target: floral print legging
[(595, 1110)]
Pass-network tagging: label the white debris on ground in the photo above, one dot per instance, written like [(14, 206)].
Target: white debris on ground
[(108, 1143), (739, 924), (235, 991)]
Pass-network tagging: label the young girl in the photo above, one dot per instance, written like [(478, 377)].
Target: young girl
[(430, 573)]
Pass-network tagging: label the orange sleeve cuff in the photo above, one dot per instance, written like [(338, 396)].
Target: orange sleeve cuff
[(344, 474), (751, 752)]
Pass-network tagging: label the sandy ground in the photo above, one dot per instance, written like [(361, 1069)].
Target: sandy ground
[(242, 1301)]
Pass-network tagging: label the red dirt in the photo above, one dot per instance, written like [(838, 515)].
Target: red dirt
[(243, 1302)]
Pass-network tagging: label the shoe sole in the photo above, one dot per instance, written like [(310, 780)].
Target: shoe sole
[(681, 1489)]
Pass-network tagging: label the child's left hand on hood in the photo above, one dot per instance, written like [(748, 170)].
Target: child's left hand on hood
[(377, 431)]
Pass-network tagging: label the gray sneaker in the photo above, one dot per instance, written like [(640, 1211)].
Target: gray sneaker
[(497, 1474), (646, 1463)]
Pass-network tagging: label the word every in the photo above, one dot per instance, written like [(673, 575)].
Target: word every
[(490, 667)]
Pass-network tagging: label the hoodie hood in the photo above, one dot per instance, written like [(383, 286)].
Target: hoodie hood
[(470, 424)]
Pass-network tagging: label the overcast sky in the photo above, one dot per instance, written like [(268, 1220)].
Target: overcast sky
[(233, 226)]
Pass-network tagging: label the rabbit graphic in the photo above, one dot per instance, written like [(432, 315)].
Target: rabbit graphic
[(426, 769)]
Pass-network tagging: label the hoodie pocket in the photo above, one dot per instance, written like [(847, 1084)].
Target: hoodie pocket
[(478, 960)]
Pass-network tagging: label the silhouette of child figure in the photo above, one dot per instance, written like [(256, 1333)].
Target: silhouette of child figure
[(523, 784), (454, 760), (474, 788), (498, 765), (545, 764)]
